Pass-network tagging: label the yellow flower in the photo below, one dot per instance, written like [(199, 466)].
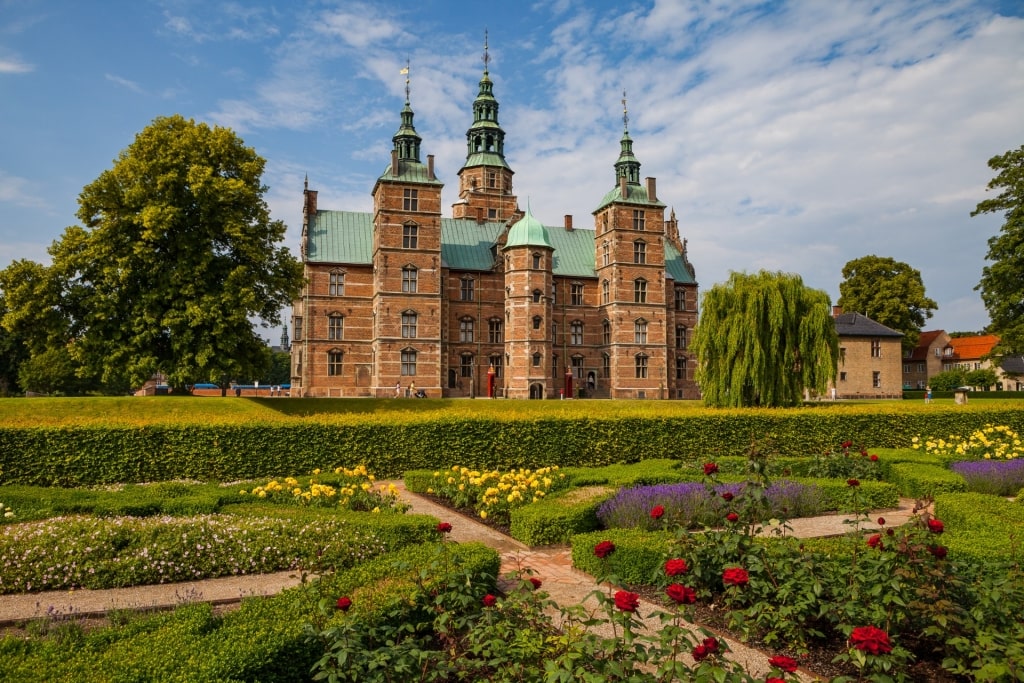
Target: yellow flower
[(483, 514), (376, 509)]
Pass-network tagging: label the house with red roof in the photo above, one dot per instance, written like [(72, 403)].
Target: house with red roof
[(925, 360)]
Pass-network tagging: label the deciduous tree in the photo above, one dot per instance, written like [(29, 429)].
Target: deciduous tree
[(763, 339), (889, 292), (175, 256), (1002, 287)]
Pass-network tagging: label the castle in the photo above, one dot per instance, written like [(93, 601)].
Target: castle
[(492, 302)]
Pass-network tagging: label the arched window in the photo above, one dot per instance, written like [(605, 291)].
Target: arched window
[(409, 324), (410, 278), (334, 363), (604, 292), (639, 291), (537, 294), (640, 331), (536, 360), (335, 327), (536, 261), (337, 283), (641, 366), (536, 322)]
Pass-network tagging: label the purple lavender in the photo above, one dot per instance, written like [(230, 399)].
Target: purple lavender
[(998, 477), (693, 505)]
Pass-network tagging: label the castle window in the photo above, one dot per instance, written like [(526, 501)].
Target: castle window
[(606, 253), (335, 327), (536, 360), (536, 261), (536, 322), (409, 325), (604, 292), (337, 285), (638, 219), (876, 380), (680, 336), (334, 359), (640, 291), (641, 366), (495, 362), (680, 299), (466, 330), (577, 367), (639, 252), (466, 290), (554, 293), (466, 365), (494, 330), (554, 333), (492, 213), (492, 179), (410, 199), (576, 333), (297, 329), (410, 236), (606, 333), (408, 362), (606, 366), (410, 277), (640, 331), (576, 294), (537, 294), (554, 365), (876, 348), (681, 367)]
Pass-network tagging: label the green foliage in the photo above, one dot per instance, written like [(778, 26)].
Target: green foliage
[(637, 560), (177, 252), (985, 528), (558, 518), (889, 292), (924, 481), (762, 340), (1002, 289), (948, 380)]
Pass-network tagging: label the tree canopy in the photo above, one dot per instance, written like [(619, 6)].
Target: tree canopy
[(763, 339), (176, 255), (889, 292), (1002, 287)]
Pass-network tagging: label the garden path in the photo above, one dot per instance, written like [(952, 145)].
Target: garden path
[(553, 565)]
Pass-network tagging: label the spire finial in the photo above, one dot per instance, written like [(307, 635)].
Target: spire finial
[(625, 113), (405, 71), (487, 54), (305, 183)]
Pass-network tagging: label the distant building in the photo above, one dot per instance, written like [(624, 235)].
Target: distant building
[(869, 357), (925, 360), (492, 301)]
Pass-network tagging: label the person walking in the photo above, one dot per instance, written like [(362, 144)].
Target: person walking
[(398, 389), (928, 394)]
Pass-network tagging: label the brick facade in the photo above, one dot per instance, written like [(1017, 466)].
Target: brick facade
[(456, 306)]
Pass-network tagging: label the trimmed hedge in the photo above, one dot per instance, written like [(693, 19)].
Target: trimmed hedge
[(916, 480), (393, 443), (262, 641), (981, 528), (638, 556), (558, 518)]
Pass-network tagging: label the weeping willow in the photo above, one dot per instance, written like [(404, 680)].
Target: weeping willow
[(763, 339)]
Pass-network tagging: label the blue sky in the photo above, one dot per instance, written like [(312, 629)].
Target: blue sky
[(791, 136)]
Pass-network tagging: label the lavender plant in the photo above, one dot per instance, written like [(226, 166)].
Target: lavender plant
[(997, 477)]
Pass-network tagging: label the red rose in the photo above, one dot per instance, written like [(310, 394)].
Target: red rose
[(864, 451), (536, 582), (875, 540), (847, 444), (735, 576), (344, 603), (710, 468), (881, 521), (871, 639), (626, 601), (700, 653), (732, 517), (710, 644), (787, 664), (657, 512), (604, 549), (773, 679), (489, 600), (684, 595), (444, 527), (676, 567), (727, 496), (938, 551), (935, 526), (873, 458), (852, 482)]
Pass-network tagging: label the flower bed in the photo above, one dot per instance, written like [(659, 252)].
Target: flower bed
[(1000, 478)]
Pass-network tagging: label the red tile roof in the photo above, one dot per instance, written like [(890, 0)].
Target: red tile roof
[(923, 343), (973, 348)]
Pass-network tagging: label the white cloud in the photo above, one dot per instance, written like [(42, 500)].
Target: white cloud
[(19, 192), (13, 65), (125, 83)]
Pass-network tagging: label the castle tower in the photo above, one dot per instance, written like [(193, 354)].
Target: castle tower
[(528, 256), (629, 243), (485, 179), (407, 266)]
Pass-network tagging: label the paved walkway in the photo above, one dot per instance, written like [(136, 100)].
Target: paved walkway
[(565, 585)]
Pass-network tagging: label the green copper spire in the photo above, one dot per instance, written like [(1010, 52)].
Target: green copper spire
[(627, 166), (485, 138), (528, 231), (406, 140)]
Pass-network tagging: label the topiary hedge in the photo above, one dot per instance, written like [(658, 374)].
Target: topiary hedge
[(917, 480), (556, 519), (981, 528), (393, 443)]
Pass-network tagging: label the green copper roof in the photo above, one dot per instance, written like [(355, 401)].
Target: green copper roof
[(485, 159), (346, 237), (635, 194), (409, 172), (527, 231)]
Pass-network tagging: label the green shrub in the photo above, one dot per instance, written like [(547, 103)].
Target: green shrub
[(643, 473), (556, 519), (917, 480), (638, 557), (982, 528)]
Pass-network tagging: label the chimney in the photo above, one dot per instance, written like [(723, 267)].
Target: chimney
[(568, 222), (430, 167), (622, 187), (837, 311), (652, 189), (394, 162)]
